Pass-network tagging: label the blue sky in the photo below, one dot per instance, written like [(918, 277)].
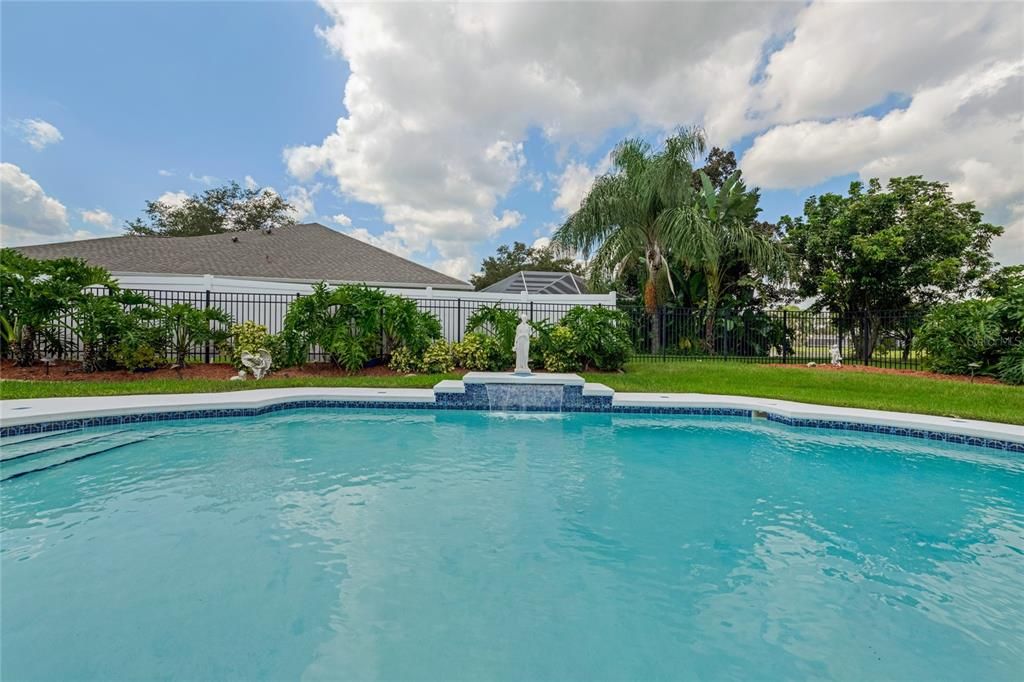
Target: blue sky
[(466, 129)]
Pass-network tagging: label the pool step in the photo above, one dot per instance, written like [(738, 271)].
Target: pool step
[(42, 445), (46, 459), (26, 437)]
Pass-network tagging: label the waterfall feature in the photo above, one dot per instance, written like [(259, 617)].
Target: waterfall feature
[(520, 397)]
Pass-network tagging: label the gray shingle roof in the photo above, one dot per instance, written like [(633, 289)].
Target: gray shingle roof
[(308, 252), (540, 282)]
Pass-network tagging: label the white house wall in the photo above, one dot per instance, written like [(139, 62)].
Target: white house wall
[(265, 301)]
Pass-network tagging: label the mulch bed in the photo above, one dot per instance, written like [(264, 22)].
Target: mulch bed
[(864, 369), (71, 371)]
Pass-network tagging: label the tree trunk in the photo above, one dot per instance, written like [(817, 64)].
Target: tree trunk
[(874, 331), (26, 346), (709, 331), (712, 310), (651, 305), (908, 341), (865, 335)]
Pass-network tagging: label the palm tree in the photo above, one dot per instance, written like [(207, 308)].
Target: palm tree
[(628, 214), (720, 226)]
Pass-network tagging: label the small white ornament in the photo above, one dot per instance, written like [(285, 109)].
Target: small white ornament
[(837, 359), (257, 363)]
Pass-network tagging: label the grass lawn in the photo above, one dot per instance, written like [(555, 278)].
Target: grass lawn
[(899, 393), (902, 393), (10, 390)]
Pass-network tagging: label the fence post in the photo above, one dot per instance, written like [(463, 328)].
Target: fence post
[(206, 350), (531, 311), (839, 327), (785, 334), (662, 330), (865, 330), (458, 319)]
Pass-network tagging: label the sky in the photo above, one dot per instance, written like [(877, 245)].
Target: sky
[(439, 132)]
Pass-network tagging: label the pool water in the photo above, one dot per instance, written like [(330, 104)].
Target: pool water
[(462, 545)]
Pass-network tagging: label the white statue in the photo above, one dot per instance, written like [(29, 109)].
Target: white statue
[(257, 363), (837, 359), (521, 347)]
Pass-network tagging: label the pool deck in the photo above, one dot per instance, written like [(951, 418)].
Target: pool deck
[(14, 413)]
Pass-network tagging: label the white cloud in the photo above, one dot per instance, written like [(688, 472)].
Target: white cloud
[(959, 67), (165, 173), (250, 182), (207, 180), (301, 200), (440, 99), (98, 217), (845, 57), (39, 133), (173, 199), (27, 214), (967, 131), (534, 181), (341, 219), (541, 243), (575, 182), (387, 242)]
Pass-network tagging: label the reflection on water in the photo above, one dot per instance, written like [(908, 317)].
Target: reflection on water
[(469, 546)]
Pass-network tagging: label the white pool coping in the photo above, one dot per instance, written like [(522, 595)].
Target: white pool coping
[(37, 410), (34, 410), (794, 410), (541, 378)]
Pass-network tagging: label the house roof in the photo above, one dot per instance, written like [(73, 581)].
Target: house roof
[(307, 253), (538, 282)]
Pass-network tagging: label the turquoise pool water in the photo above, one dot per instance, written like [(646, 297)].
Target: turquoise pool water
[(457, 545)]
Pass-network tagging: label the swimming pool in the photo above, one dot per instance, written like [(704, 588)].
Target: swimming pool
[(465, 545)]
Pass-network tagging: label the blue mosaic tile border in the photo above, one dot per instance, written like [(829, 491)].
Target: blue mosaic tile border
[(956, 438), (476, 398), (178, 415)]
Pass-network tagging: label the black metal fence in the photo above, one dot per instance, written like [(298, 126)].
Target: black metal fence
[(882, 339)]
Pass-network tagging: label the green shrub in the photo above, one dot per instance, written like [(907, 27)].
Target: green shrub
[(1011, 366), (355, 324), (988, 334), (188, 327), (251, 337), (601, 336), (36, 298), (405, 361), (542, 330), (103, 321), (135, 356), (561, 351), (439, 358), (497, 322), (955, 335), (480, 353)]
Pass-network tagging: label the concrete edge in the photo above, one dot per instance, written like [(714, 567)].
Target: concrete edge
[(543, 378), (38, 410), (812, 412)]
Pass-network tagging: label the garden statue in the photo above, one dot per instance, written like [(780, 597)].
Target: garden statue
[(257, 363), (837, 359), (521, 347)]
